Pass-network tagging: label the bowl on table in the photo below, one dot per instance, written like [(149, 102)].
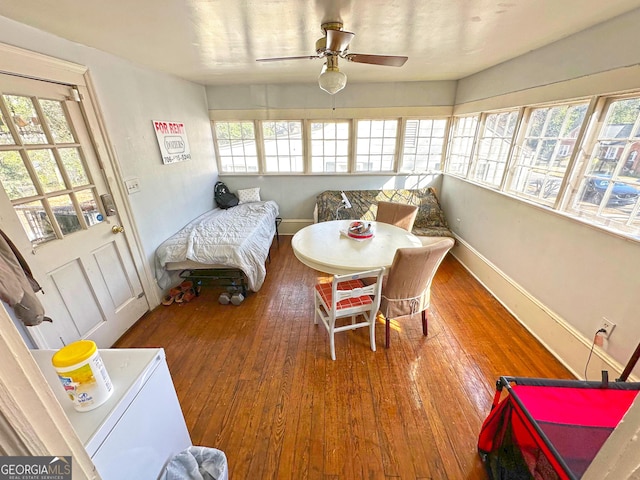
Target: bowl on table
[(360, 230)]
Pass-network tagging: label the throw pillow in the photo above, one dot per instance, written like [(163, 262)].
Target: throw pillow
[(247, 195)]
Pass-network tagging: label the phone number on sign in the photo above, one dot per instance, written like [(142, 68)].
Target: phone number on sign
[(176, 158)]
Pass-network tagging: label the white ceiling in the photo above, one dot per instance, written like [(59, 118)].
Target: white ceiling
[(217, 41)]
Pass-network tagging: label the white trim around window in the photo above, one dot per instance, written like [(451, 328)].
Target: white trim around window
[(330, 146)]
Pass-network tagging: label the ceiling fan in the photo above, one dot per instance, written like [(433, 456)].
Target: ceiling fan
[(333, 45)]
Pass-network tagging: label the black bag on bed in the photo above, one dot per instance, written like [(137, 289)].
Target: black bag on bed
[(223, 197)]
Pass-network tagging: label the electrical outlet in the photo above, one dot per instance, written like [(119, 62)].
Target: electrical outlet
[(608, 326)]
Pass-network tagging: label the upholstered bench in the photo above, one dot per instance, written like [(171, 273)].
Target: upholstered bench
[(430, 220)]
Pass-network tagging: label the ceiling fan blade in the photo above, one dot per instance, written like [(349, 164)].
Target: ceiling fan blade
[(338, 40), (388, 60), (277, 59)]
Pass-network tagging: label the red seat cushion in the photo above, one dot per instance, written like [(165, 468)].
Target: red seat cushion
[(324, 289)]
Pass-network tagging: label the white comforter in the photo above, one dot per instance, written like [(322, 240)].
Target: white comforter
[(239, 237)]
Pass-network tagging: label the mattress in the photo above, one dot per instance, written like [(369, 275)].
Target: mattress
[(238, 237)]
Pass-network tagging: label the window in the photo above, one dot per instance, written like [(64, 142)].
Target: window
[(461, 144), (236, 147), (493, 147), (330, 147), (42, 169), (376, 145), (609, 183), (542, 156), (423, 145), (283, 146)]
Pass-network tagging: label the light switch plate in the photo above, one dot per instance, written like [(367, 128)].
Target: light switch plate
[(133, 185)]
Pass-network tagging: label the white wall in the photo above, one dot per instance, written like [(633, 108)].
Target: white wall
[(610, 45), (309, 96), (296, 196), (577, 273), (130, 98)]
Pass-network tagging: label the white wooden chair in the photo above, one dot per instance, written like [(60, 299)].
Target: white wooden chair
[(348, 296)]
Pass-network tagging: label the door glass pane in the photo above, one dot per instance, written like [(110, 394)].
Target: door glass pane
[(25, 119), (47, 170), (65, 214), (89, 206), (15, 177), (74, 167), (36, 222), (57, 121), (5, 134)]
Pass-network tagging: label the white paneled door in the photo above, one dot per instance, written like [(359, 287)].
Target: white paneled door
[(51, 208)]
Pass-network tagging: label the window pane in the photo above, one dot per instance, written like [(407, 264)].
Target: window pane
[(423, 145), (609, 188), (493, 149), (283, 146), (89, 207), (25, 119), (73, 166), (15, 177), (376, 145), (461, 145), (47, 170), (236, 143), (330, 147), (5, 134), (542, 158), (36, 222), (65, 214), (57, 121)]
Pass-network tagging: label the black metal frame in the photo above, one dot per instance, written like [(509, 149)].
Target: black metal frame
[(229, 277)]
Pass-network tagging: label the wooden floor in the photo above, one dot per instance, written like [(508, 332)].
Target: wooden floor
[(257, 380)]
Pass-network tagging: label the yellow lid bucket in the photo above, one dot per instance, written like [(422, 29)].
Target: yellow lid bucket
[(83, 374)]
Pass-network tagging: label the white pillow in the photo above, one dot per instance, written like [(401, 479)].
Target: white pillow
[(247, 195)]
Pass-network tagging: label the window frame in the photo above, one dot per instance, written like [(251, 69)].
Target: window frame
[(452, 139), (402, 140), (307, 144), (564, 184), (482, 126), (356, 138), (588, 146), (259, 155), (262, 153)]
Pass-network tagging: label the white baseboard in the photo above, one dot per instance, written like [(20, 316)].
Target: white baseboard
[(290, 226), (562, 340)]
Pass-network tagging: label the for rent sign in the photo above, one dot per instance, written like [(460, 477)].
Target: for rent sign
[(172, 139)]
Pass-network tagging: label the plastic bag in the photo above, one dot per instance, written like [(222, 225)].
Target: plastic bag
[(197, 463)]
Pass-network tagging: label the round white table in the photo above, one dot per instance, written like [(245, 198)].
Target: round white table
[(323, 247)]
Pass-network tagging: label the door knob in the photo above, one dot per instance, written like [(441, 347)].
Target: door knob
[(117, 229)]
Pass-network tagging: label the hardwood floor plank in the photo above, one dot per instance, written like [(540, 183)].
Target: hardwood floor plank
[(257, 380)]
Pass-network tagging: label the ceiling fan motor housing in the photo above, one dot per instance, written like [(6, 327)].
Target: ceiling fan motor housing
[(330, 26)]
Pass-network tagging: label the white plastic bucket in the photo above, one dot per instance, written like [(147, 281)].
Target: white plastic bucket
[(83, 375)]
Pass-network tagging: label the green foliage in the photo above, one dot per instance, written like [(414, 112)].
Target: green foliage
[(624, 111)]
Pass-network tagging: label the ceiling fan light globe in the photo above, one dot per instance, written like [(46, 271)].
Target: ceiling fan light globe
[(332, 81)]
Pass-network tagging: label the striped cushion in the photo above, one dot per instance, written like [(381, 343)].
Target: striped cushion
[(324, 289)]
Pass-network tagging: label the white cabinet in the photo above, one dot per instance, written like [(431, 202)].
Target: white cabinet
[(141, 427)]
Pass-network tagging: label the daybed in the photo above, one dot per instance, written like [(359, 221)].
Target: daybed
[(430, 220), (236, 238)]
